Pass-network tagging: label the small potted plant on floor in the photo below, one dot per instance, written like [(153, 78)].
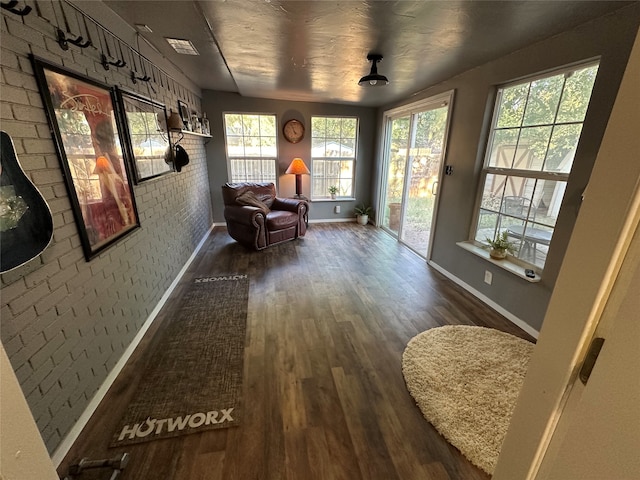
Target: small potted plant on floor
[(333, 189), (362, 214), (500, 246)]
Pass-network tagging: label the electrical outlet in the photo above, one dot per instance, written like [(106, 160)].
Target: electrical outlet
[(488, 277), (336, 209)]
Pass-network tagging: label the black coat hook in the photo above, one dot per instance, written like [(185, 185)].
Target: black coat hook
[(62, 39), (135, 78), (11, 7), (79, 43), (64, 42), (106, 62)]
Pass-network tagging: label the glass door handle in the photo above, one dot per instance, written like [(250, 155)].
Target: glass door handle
[(434, 188)]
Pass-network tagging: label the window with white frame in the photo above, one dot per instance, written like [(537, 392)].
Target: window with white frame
[(252, 151), (533, 139), (334, 142)]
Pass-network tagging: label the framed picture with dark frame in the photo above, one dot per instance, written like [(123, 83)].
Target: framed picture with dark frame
[(147, 140), (89, 143), (185, 115)]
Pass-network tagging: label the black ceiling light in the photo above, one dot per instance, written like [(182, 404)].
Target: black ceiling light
[(373, 79)]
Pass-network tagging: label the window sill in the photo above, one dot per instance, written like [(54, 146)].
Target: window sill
[(506, 264), (337, 199)]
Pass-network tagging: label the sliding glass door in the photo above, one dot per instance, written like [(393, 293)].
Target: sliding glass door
[(414, 153)]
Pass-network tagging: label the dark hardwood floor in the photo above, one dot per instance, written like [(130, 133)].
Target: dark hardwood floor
[(324, 397)]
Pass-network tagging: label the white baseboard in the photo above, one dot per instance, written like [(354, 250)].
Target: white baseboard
[(333, 220), (510, 316), (72, 436)]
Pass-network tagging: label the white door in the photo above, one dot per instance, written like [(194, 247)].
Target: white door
[(598, 435)]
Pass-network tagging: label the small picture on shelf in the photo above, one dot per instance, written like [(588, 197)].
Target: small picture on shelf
[(183, 108)]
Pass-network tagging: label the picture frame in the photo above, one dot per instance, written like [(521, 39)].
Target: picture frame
[(185, 114), (147, 139), (88, 138)]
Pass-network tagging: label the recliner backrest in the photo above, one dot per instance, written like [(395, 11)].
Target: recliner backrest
[(266, 192)]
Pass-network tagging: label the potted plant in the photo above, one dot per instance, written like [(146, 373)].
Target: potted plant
[(362, 214), (333, 189), (500, 246)]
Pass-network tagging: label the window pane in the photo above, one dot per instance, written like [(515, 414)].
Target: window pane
[(542, 104), (233, 124), (562, 148), (503, 148), (512, 102), (493, 191), (235, 146), (333, 128), (532, 147), (268, 125), (268, 147), (576, 95), (318, 126)]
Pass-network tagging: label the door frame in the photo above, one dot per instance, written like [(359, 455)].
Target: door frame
[(410, 109)]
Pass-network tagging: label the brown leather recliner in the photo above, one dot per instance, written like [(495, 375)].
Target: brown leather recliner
[(257, 218)]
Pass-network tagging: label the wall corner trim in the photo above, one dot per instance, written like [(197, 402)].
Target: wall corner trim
[(483, 298), (74, 433)]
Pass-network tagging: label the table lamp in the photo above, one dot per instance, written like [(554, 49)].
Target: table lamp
[(298, 168)]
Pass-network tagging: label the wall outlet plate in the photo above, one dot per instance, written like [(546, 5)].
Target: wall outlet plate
[(488, 277)]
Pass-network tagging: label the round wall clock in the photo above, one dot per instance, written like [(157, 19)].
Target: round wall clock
[(293, 131)]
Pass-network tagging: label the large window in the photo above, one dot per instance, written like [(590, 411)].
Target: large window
[(333, 155), (533, 139), (251, 147)]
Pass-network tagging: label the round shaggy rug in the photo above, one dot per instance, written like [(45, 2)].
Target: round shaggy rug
[(466, 381)]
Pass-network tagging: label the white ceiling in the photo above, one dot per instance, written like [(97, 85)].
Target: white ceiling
[(316, 50)]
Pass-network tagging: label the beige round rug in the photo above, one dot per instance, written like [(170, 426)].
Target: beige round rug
[(466, 381)]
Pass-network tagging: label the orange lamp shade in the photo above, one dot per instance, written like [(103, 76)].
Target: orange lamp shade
[(102, 165), (298, 167)]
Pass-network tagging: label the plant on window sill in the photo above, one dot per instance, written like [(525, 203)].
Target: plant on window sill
[(500, 246)]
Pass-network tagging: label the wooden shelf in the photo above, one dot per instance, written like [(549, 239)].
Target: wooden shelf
[(188, 132)]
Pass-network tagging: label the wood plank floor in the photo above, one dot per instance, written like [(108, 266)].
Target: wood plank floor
[(324, 397)]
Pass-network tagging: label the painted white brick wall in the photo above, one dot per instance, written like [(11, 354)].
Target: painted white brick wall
[(65, 322)]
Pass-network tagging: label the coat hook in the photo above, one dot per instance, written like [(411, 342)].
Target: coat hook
[(11, 7), (135, 78), (62, 39), (78, 41), (106, 62)]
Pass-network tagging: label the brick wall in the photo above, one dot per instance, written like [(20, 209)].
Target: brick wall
[(65, 322)]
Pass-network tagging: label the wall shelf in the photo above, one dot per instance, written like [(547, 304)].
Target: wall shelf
[(189, 132), (195, 134)]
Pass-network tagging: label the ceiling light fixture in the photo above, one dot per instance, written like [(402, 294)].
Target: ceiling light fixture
[(185, 47), (373, 79)]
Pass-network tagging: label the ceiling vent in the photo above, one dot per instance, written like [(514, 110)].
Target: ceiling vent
[(184, 47)]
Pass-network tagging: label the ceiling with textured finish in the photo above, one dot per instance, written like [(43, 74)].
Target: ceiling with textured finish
[(317, 50)]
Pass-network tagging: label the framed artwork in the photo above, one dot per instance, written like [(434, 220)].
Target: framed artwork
[(147, 139), (83, 120), (185, 115)]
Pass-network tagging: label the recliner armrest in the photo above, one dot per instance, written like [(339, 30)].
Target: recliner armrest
[(288, 204), (243, 214)]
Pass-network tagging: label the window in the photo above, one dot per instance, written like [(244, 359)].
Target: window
[(251, 147), (534, 134), (333, 155)]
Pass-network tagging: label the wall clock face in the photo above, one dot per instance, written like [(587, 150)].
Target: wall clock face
[(293, 131)]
